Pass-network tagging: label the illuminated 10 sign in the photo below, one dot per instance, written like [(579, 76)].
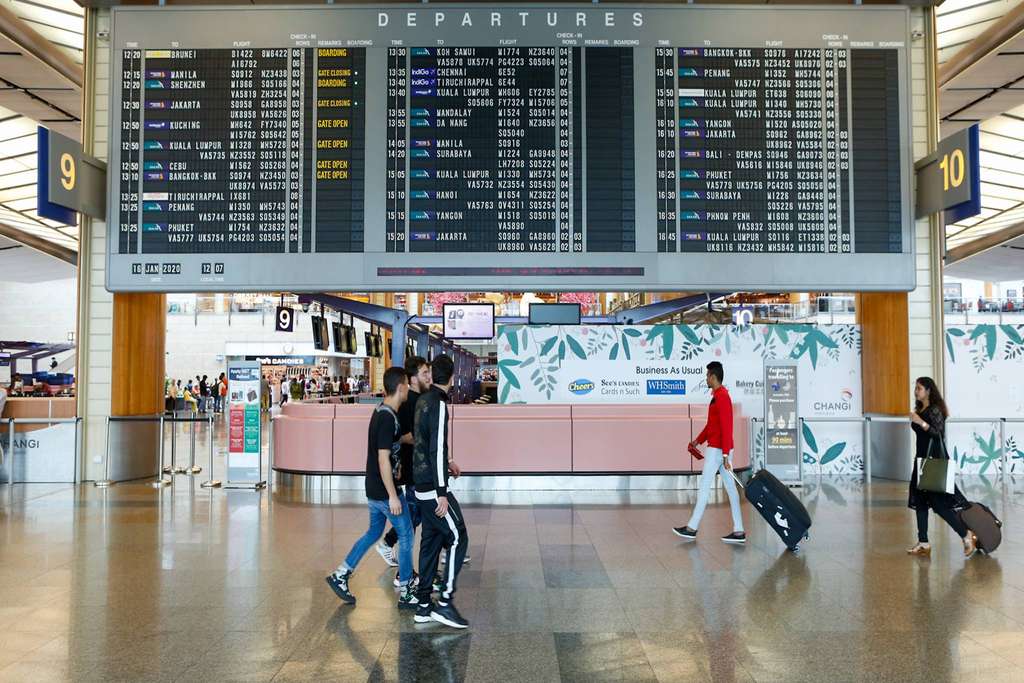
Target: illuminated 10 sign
[(948, 180)]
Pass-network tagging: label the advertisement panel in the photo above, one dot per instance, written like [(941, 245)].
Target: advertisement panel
[(587, 364), (244, 437), (782, 442)]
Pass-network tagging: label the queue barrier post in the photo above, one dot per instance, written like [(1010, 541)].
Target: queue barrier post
[(169, 469), (161, 481), (193, 468), (181, 469), (211, 483), (105, 482)]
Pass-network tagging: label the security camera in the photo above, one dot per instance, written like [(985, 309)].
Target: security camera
[(103, 34), (916, 34), (305, 307)]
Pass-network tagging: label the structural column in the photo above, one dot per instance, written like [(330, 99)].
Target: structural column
[(137, 364), (885, 352)]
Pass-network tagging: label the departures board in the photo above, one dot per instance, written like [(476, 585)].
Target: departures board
[(470, 147)]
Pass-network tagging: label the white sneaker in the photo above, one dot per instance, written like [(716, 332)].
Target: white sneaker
[(387, 553)]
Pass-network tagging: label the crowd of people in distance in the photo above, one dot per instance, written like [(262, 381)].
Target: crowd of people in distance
[(199, 396), (301, 387)]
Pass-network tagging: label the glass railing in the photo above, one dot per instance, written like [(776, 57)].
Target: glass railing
[(983, 310)]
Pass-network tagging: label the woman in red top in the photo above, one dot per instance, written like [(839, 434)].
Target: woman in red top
[(718, 435)]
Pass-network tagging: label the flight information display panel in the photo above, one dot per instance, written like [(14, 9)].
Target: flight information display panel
[(474, 147)]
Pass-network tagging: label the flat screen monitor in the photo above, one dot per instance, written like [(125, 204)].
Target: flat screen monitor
[(554, 314), (319, 340), (339, 337), (469, 321)]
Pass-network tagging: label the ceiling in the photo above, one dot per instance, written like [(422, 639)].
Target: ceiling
[(34, 93), (991, 94), (19, 263), (999, 264)]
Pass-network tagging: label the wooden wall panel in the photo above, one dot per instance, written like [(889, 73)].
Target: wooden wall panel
[(137, 365), (885, 352)]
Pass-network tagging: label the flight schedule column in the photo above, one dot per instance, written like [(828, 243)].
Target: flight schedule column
[(340, 150), (722, 130), (131, 134), (482, 149), (665, 147), (395, 198)]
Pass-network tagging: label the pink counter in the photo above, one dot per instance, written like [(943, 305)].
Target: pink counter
[(514, 439)]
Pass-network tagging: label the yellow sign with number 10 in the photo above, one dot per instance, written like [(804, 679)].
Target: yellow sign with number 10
[(952, 166)]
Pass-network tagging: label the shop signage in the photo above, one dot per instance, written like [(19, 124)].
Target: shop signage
[(244, 438), (283, 360)]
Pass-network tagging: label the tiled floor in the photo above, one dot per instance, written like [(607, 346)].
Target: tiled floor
[(135, 584)]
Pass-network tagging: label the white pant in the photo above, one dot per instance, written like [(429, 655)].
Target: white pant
[(712, 465)]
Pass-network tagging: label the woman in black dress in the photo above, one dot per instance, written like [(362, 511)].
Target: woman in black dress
[(929, 424)]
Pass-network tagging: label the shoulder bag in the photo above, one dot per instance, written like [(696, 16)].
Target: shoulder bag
[(936, 473)]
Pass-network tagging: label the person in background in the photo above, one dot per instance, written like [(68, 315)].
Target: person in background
[(18, 386), (350, 382), (218, 400), (53, 363), (928, 420), (265, 393), (417, 370), (443, 525), (190, 399), (718, 435), (384, 500), (286, 388), (298, 388)]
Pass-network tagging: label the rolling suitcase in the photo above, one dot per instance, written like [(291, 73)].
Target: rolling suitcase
[(779, 507), (986, 526)]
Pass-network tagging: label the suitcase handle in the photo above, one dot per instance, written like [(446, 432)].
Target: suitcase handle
[(737, 479)]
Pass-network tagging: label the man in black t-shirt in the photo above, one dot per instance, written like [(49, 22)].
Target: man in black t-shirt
[(417, 369), (382, 496)]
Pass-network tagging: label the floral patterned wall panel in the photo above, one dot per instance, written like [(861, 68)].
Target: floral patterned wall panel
[(665, 364), (985, 380)]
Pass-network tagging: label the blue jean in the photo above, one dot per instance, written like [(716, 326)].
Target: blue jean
[(380, 515), (712, 466)]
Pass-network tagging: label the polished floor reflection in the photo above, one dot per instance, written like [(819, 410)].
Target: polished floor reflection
[(135, 584)]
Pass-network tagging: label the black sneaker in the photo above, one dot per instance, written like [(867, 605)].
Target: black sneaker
[(685, 532), (448, 615), (408, 599), (415, 580), (735, 537), (339, 584), (422, 615)]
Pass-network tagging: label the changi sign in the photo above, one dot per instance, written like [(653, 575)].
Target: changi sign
[(949, 179)]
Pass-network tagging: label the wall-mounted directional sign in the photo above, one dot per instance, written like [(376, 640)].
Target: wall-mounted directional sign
[(284, 320), (68, 180), (949, 179)]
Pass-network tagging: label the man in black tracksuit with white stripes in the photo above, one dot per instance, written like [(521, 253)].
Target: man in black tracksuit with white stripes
[(442, 524)]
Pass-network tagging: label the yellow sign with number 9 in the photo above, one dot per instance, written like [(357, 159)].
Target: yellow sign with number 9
[(67, 171)]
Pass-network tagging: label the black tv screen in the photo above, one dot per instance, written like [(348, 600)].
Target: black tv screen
[(339, 337), (318, 338), (554, 314)]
